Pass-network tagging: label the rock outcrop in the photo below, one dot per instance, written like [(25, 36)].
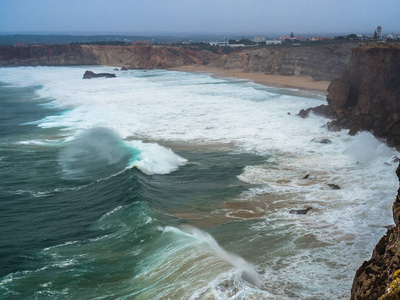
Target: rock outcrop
[(367, 95), (90, 75), (379, 278)]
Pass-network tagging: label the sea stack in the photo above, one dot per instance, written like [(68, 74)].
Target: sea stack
[(90, 75)]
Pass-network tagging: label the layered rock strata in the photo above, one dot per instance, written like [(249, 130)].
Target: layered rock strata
[(149, 57), (321, 62)]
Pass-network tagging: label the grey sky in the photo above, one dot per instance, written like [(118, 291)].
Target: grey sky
[(200, 16)]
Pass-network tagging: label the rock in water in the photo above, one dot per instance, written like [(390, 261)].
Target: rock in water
[(90, 75), (334, 186), (300, 211), (322, 141)]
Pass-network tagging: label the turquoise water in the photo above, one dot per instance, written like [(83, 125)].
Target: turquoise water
[(170, 185)]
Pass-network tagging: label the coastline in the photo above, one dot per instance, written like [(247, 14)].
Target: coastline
[(302, 83)]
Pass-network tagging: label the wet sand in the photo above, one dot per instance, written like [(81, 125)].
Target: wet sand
[(303, 83)]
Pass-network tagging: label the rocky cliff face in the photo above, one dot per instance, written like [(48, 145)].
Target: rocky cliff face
[(322, 62), (128, 56), (367, 96)]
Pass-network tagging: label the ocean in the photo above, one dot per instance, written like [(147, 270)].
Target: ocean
[(170, 185)]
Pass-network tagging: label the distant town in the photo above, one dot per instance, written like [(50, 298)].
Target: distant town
[(27, 40), (297, 40)]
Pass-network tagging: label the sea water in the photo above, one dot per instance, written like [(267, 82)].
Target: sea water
[(169, 185)]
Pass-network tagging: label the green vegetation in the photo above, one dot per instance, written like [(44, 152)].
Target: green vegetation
[(243, 40), (352, 37)]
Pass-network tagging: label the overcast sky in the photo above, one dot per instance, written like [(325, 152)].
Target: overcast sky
[(200, 16)]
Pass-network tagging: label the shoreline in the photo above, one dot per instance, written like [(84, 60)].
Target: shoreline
[(301, 83)]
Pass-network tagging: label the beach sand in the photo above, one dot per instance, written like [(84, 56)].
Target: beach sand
[(303, 83)]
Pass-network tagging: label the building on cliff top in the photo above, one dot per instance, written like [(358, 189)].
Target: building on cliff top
[(259, 39), (379, 32)]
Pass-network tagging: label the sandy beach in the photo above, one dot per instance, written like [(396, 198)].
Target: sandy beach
[(303, 83)]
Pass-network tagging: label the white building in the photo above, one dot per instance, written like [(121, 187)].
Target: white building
[(394, 36), (259, 39), (226, 44), (273, 42)]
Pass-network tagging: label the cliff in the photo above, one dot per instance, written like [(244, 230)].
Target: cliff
[(367, 95), (321, 62), (129, 56)]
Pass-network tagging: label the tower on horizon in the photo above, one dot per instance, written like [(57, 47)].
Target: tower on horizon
[(379, 32)]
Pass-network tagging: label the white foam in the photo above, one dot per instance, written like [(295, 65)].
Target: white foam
[(174, 106), (155, 159), (196, 108)]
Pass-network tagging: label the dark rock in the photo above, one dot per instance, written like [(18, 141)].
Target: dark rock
[(322, 110), (304, 113), (333, 126), (124, 69), (334, 186), (322, 141), (116, 69), (300, 211), (389, 226), (367, 95), (90, 75), (307, 176)]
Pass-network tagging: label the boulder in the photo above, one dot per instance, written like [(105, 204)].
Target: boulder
[(300, 211), (322, 141), (334, 186), (90, 75), (322, 110)]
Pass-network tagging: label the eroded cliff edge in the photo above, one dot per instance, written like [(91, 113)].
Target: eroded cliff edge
[(149, 57), (321, 62), (367, 95)]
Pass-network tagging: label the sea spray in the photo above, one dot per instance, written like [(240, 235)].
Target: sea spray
[(94, 153), (99, 152), (248, 271)]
